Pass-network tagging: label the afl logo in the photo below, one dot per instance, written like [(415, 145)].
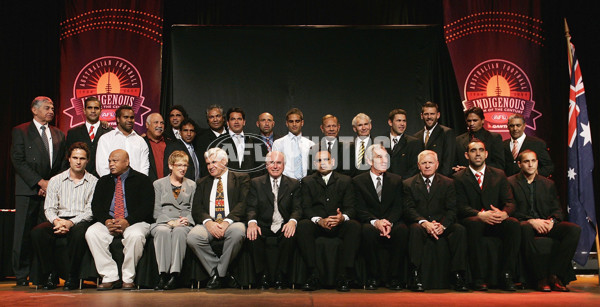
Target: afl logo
[(501, 89), (115, 82)]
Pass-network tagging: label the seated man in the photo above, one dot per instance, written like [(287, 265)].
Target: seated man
[(329, 202), (273, 210), (68, 209), (379, 208), (539, 211), (485, 202), (218, 208), (430, 200), (123, 204)]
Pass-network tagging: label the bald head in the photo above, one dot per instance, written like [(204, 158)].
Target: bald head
[(265, 123), (118, 162)]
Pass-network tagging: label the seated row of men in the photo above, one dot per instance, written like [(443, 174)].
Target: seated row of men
[(370, 211)]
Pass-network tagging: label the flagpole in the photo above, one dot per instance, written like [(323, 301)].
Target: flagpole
[(570, 56)]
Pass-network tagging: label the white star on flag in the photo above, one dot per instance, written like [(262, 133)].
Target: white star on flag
[(586, 134), (571, 174)]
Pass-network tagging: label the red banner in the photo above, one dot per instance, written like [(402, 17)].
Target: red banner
[(110, 50), (496, 49)]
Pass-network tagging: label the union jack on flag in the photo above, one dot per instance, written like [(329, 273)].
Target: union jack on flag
[(581, 207)]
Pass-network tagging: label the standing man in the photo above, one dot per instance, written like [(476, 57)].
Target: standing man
[(188, 135), (68, 210), (492, 141), (539, 211), (295, 147), (431, 210), (330, 127), (438, 138), (519, 142), (380, 208), (403, 148), (219, 209), (216, 128), (361, 124), (265, 124), (37, 153), (485, 204), (244, 155), (329, 204), (155, 126), (123, 205), (273, 209), (176, 116), (124, 137), (90, 132)]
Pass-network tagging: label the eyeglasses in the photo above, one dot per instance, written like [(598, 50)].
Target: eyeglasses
[(180, 165)]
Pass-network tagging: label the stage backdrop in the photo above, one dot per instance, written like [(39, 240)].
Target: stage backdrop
[(111, 50), (321, 70)]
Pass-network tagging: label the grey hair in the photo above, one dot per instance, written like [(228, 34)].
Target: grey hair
[(424, 153), (360, 116), (214, 106), (268, 156), (371, 149), (216, 151), (37, 101)]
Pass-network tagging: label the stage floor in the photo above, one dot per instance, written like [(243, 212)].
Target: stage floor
[(584, 292)]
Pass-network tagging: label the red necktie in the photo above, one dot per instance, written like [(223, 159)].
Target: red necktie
[(92, 133), (479, 180), (119, 203)]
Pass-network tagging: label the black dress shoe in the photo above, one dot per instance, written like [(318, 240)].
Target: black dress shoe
[(417, 285), (280, 282), (264, 282), (371, 284), (161, 282), (172, 283), (71, 283), (543, 285), (459, 283), (557, 285), (394, 284), (22, 282), (231, 282), (214, 283), (343, 285), (312, 283), (509, 285), (51, 282), (480, 286)]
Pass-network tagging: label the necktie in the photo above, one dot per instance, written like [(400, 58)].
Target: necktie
[(45, 139), (119, 202), (515, 150), (395, 143), (298, 159), (195, 161), (177, 134), (378, 188), (269, 144), (219, 202), (361, 154), (329, 146), (277, 218), (479, 179), (427, 137), (92, 133), (428, 184)]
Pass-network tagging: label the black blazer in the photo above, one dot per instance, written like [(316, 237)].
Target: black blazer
[(205, 140), (152, 174), (493, 145), (337, 153), (179, 145), (439, 204), (260, 201), (80, 134), (403, 159), (443, 141), (139, 198), (322, 200), (353, 170), (261, 155), (249, 159), (238, 185), (30, 158), (470, 199), (368, 205), (546, 198), (545, 165)]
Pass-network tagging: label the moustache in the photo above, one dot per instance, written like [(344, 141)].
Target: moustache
[(159, 129)]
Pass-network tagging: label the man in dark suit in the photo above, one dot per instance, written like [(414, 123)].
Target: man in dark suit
[(539, 211), (265, 124), (89, 132), (475, 130), (338, 147), (485, 204), (273, 208), (438, 138), (430, 200), (380, 208), (188, 134), (239, 147), (361, 124), (216, 128), (519, 142), (403, 148), (176, 116), (156, 145), (219, 209), (122, 205), (37, 154), (328, 203)]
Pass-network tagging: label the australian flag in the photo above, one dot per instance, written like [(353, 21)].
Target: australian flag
[(581, 206)]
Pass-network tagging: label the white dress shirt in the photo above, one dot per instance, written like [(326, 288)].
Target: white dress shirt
[(213, 196), (286, 145), (519, 142), (48, 137), (240, 146), (134, 144)]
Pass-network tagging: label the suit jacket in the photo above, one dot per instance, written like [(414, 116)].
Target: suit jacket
[(166, 207), (369, 207), (139, 198), (438, 204), (403, 159), (179, 145), (493, 145), (205, 140), (152, 174), (322, 200), (249, 159), (470, 199), (337, 152), (443, 141), (546, 198), (261, 155), (260, 201), (545, 165), (238, 185), (353, 170), (30, 158), (169, 135), (81, 134)]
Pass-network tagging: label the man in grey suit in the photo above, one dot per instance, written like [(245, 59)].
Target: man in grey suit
[(37, 153), (219, 209)]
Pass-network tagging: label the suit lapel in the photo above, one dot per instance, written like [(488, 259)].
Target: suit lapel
[(207, 190), (433, 136), (268, 188), (36, 138), (473, 180)]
